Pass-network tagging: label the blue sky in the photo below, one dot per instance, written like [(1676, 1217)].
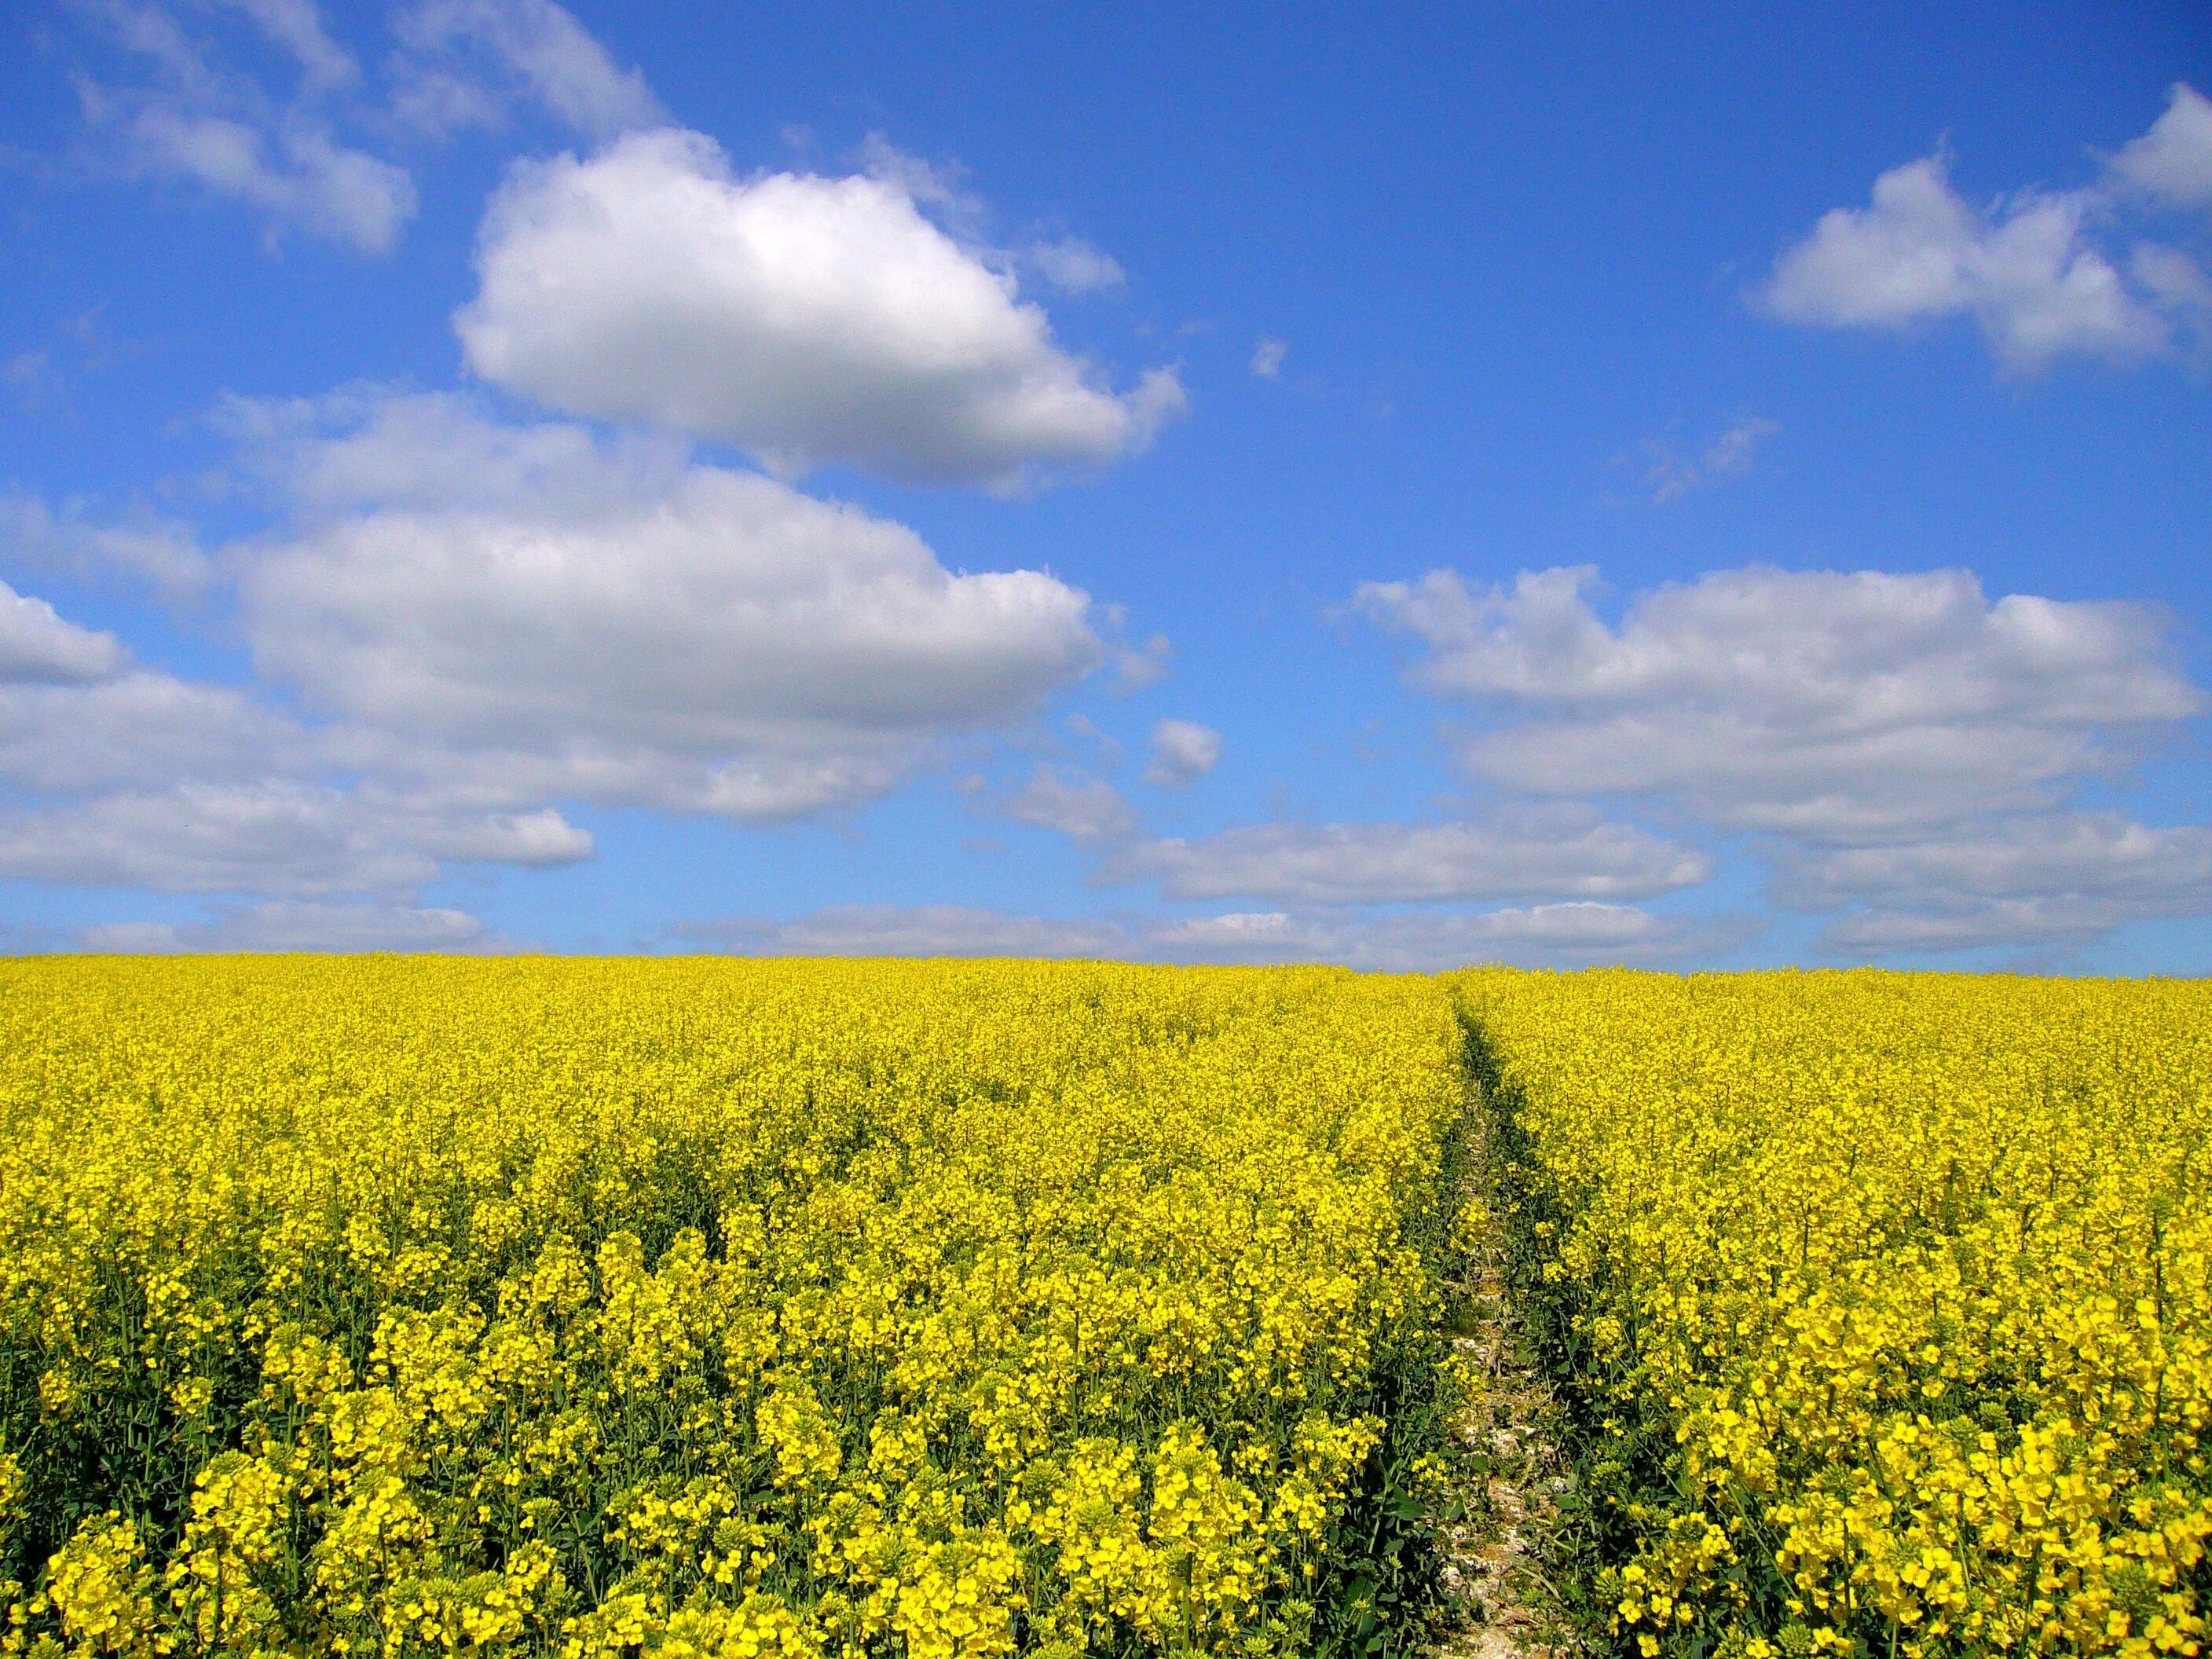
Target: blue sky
[(1713, 488)]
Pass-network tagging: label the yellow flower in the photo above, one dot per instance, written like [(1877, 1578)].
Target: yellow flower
[(704, 1307)]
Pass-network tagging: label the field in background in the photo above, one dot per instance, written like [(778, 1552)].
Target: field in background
[(1880, 1303), (389, 1305)]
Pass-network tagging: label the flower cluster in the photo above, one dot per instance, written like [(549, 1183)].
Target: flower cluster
[(1885, 1301), (387, 1306)]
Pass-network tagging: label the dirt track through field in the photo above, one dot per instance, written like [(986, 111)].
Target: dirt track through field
[(1502, 1607)]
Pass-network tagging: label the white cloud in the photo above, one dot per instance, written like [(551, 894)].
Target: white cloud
[(2029, 268), (641, 629), (2051, 879), (195, 117), (365, 448), (1669, 474), (297, 27), (1073, 266), (438, 102), (271, 836), (1907, 746), (1545, 935), (1088, 809), (199, 838), (1268, 359), (1549, 852), (295, 173), (933, 930), (1140, 665), (140, 728), (78, 717), (2173, 163), (297, 925), (38, 647), (806, 319), (1183, 751), (143, 780), (2026, 271), (144, 545), (2056, 919), (940, 187), (138, 778), (2080, 851), (1844, 707), (223, 131), (531, 45), (477, 622), (2183, 287)]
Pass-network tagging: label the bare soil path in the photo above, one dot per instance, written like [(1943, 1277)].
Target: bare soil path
[(1501, 1607)]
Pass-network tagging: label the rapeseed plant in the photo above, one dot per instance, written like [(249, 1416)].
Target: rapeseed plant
[(393, 1306), (1883, 1302)]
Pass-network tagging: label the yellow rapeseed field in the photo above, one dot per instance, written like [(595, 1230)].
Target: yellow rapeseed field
[(1882, 1302), (407, 1306), (696, 1308)]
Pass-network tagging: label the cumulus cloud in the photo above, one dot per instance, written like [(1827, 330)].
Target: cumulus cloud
[(1141, 665), (297, 27), (644, 628), (2054, 878), (2178, 280), (1668, 474), (199, 838), (1554, 852), (2079, 850), (1088, 809), (1573, 934), (297, 925), (122, 776), (1841, 706), (77, 716), (140, 727), (929, 930), (294, 172), (2048, 919), (2173, 163), (1907, 749), (1549, 935), (806, 319), (469, 58), (271, 837), (193, 117), (1073, 266), (2028, 268), (188, 111), (458, 625), (1183, 751), (1268, 359), (126, 776), (2026, 271), (38, 647), (143, 545)]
